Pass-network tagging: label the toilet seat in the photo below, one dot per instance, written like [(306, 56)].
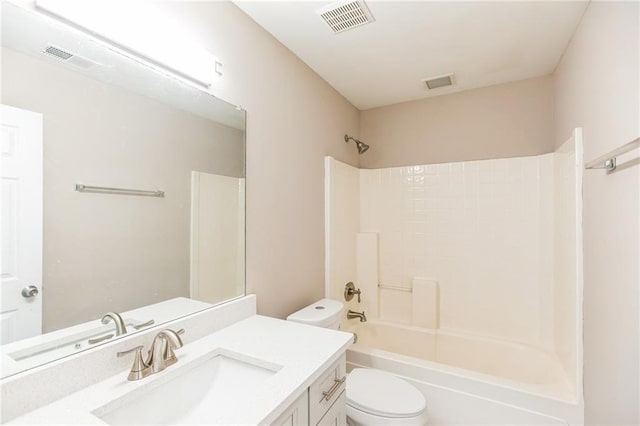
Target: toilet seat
[(381, 394)]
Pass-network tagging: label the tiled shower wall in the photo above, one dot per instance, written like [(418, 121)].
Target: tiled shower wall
[(482, 229), (567, 272)]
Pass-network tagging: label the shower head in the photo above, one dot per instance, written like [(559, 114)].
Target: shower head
[(362, 147)]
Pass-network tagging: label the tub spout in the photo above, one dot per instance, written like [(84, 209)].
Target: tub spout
[(352, 314)]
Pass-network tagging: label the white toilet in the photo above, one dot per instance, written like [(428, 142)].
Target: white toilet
[(325, 313), (374, 397)]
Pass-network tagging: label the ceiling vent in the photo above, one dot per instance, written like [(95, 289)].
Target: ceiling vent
[(439, 81), (68, 57), (345, 15)]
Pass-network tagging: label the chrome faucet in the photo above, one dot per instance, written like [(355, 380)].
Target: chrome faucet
[(160, 356), (353, 314), (121, 328)]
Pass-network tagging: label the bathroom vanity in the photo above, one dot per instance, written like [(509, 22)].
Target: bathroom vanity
[(259, 370)]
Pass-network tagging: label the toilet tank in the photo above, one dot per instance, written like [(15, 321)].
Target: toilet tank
[(324, 313)]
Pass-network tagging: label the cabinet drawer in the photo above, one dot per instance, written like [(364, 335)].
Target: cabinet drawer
[(326, 390), (337, 414)]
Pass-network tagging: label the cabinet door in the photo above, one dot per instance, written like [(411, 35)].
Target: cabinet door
[(297, 414), (337, 414), (324, 391)]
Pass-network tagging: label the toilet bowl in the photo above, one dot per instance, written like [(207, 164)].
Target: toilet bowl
[(374, 397)]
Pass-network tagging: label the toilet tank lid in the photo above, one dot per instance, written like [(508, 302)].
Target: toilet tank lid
[(383, 394), (322, 313)]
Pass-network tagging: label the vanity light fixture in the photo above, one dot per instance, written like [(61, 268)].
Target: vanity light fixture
[(141, 31)]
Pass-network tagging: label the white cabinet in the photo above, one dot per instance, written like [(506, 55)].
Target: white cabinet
[(297, 413), (337, 414), (323, 403), (324, 392)]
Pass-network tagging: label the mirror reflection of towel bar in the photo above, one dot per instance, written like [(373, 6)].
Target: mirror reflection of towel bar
[(122, 191)]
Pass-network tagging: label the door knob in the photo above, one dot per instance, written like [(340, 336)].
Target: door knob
[(30, 291)]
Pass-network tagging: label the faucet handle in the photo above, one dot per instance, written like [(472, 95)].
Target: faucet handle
[(139, 369), (350, 290), (128, 351)]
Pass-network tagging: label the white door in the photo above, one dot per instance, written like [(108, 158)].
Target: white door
[(21, 206)]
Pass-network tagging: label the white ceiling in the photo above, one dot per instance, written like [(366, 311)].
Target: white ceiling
[(382, 63)]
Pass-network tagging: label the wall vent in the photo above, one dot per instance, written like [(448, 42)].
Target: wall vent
[(439, 81), (344, 15), (68, 57)]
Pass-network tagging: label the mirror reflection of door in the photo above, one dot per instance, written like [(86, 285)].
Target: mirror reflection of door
[(21, 205), (217, 237)]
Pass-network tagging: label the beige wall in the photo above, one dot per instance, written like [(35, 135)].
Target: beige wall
[(294, 118), (103, 252), (597, 88), (507, 120)]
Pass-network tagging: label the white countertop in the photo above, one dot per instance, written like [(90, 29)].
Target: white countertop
[(304, 352)]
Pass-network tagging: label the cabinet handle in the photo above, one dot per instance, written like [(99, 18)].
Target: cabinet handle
[(327, 395)]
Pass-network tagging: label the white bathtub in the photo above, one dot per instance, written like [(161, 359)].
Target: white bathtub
[(468, 379)]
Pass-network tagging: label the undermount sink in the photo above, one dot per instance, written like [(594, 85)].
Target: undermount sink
[(190, 394)]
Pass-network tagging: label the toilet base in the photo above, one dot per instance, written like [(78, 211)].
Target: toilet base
[(356, 417)]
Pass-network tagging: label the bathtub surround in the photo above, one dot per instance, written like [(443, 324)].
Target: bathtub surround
[(461, 258), (366, 255), (425, 303), (341, 195), (481, 230), (476, 237), (567, 249), (605, 48)]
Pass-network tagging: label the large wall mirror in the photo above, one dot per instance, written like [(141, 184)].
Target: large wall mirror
[(122, 192)]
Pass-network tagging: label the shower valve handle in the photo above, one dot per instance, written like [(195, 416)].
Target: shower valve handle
[(350, 291)]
